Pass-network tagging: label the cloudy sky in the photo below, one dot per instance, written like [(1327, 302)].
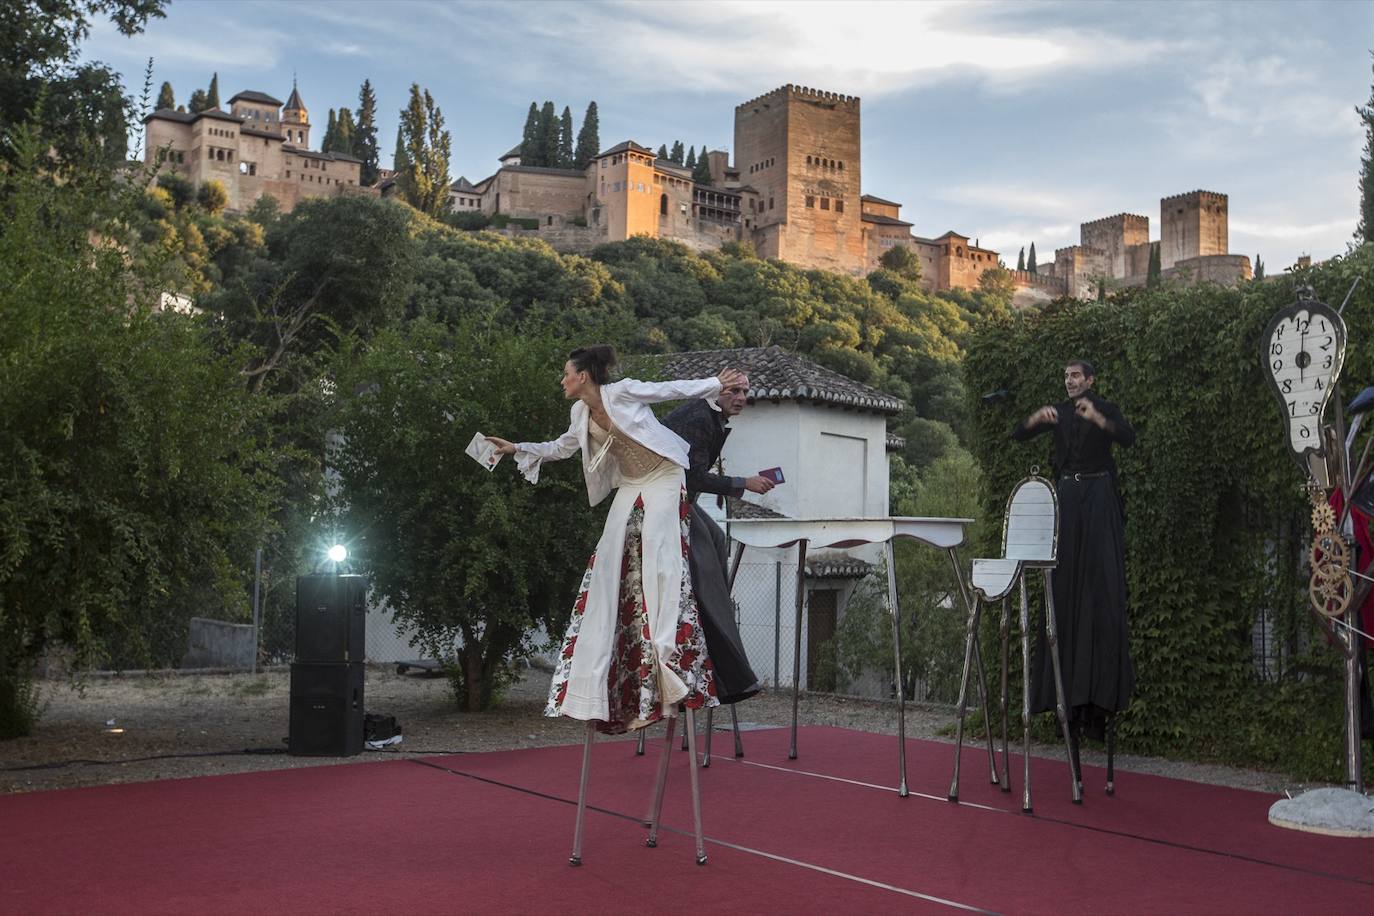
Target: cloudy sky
[(1010, 122)]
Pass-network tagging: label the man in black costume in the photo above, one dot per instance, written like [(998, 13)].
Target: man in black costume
[(1090, 580), (705, 431)]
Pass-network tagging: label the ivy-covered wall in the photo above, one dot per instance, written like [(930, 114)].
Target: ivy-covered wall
[(1217, 523)]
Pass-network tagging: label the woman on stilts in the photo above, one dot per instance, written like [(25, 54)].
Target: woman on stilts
[(634, 650)]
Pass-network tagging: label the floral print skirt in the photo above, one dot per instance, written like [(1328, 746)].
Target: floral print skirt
[(635, 648)]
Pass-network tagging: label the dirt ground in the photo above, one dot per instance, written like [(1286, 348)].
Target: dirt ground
[(117, 729)]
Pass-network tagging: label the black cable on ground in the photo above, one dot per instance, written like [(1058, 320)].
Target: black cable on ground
[(85, 762)]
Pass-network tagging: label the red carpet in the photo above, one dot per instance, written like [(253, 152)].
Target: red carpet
[(490, 833)]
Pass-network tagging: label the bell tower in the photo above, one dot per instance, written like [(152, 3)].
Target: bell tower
[(295, 120)]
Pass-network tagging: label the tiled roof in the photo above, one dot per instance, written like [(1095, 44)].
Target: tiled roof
[(668, 165), (311, 154), (254, 96), (627, 146), (884, 220), (879, 200), (895, 443), (255, 132), (463, 185), (294, 102), (777, 375), (513, 154), (186, 117), (544, 170)]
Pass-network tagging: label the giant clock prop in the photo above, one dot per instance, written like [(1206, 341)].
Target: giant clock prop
[(1302, 351)]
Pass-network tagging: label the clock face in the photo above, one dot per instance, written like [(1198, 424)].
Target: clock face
[(1304, 346)]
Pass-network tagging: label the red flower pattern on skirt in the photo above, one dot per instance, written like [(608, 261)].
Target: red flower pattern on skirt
[(632, 687)]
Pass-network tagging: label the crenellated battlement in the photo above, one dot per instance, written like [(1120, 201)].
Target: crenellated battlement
[(801, 92), (1124, 219), (1210, 196)]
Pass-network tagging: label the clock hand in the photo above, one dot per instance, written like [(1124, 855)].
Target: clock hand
[(1302, 351)]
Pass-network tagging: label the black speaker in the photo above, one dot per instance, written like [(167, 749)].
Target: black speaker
[(326, 709), (331, 618)]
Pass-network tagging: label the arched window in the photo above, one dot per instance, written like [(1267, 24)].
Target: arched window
[(663, 205)]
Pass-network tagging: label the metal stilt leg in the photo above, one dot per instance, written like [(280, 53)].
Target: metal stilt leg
[(1025, 699), (576, 857), (985, 699), (710, 717), (895, 609), (660, 784), (1059, 707), (734, 725), (684, 739), (734, 717), (696, 786), (796, 643), (972, 629), (639, 744), (1006, 675), (1111, 755)]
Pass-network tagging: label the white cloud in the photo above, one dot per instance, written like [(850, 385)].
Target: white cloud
[(229, 45), (1280, 231)]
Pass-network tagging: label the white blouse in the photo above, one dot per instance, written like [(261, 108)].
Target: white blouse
[(627, 403)]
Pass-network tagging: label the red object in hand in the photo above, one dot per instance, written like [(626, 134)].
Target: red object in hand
[(773, 474)]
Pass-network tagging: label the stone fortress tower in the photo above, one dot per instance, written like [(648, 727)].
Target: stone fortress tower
[(295, 120), (799, 149), (1192, 225)]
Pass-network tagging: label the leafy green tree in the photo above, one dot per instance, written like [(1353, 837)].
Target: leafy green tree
[(424, 181), (1030, 261), (459, 553), (1153, 272), (135, 480), (565, 139), (1364, 230), (1101, 289), (678, 155), (212, 95), (1021, 259), (398, 155), (702, 173), (198, 102), (901, 260), (588, 138), (529, 138), (166, 98), (344, 130), (84, 113), (548, 137), (178, 187), (365, 135), (212, 196), (996, 287)]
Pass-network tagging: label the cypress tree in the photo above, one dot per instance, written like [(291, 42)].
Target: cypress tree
[(565, 139), (327, 144), (1153, 273), (678, 153), (1364, 230), (1101, 289), (425, 180), (343, 134), (166, 98), (702, 173), (212, 97), (1030, 261), (548, 136), (1259, 268), (529, 137), (196, 103), (398, 155), (1021, 259), (365, 135), (588, 138), (691, 162), (663, 151)]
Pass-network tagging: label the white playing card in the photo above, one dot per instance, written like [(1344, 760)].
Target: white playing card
[(483, 452)]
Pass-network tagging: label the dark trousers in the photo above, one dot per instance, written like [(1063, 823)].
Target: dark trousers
[(707, 563)]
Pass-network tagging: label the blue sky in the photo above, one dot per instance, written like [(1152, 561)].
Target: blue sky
[(1009, 122)]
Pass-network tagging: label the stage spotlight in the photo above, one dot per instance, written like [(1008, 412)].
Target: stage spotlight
[(338, 553)]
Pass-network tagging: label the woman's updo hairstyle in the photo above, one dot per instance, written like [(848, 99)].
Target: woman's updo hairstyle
[(597, 361)]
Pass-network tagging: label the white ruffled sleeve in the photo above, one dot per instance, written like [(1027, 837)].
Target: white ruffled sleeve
[(680, 390), (530, 455)]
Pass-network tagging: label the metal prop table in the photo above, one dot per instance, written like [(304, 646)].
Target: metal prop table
[(942, 533)]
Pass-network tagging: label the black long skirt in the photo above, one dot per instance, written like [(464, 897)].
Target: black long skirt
[(1090, 607), (706, 562)]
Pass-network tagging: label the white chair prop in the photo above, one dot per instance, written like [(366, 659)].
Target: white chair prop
[(1030, 540)]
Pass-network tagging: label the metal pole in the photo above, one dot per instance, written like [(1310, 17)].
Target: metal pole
[(895, 609), (777, 623), (257, 608), (796, 642)]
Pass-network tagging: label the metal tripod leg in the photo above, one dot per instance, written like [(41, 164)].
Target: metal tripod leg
[(1059, 707), (1006, 674), (639, 744), (576, 857), (696, 786), (734, 725), (710, 725), (1025, 699), (796, 643), (656, 807)]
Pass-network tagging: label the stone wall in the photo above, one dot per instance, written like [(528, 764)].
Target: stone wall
[(1192, 225), (1121, 237)]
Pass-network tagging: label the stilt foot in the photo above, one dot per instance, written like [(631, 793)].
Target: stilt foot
[(574, 861), (1111, 789), (903, 791), (954, 797), (652, 844), (1027, 809), (739, 754), (791, 755), (701, 860), (1006, 786)]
